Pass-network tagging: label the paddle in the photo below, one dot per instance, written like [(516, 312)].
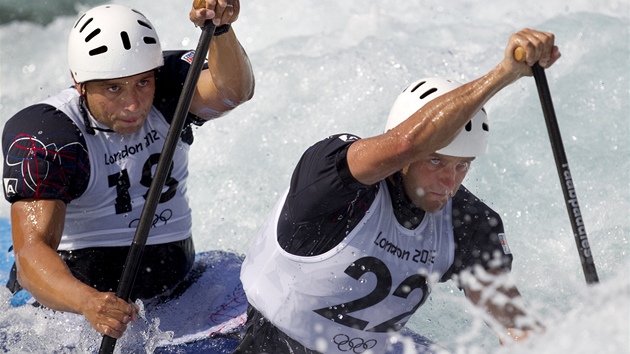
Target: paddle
[(570, 197), (134, 256)]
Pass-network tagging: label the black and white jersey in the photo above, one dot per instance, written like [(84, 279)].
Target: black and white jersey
[(335, 255), (103, 177)]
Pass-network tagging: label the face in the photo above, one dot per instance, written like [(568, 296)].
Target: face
[(431, 182), (121, 104)]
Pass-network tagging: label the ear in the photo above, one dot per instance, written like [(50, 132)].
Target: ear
[(77, 85)]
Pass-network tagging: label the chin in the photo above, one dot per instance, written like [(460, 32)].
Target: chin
[(430, 208), (127, 130), (433, 207)]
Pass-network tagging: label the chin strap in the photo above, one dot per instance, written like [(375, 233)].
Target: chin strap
[(86, 120)]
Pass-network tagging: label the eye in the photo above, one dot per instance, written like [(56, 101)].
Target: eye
[(143, 83), (463, 166), (435, 161), (113, 89)]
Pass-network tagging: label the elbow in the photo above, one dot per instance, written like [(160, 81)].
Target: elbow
[(21, 279), (247, 92), (223, 100), (238, 94)]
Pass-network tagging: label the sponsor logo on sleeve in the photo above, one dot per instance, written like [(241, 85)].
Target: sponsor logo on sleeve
[(504, 244), (188, 57), (10, 186)]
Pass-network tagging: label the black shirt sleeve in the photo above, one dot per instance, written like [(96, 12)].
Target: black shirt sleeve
[(169, 83), (324, 200), (45, 156), (479, 236)]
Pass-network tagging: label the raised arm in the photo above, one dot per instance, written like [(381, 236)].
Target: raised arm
[(37, 226), (228, 81), (434, 125)]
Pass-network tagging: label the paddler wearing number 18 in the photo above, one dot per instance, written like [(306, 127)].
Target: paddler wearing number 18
[(78, 165)]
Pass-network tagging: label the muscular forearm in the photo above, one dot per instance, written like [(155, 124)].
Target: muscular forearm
[(42, 273), (437, 123), (37, 226), (227, 83), (426, 131), (229, 80), (230, 69)]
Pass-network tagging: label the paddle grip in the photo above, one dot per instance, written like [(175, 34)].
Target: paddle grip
[(519, 54)]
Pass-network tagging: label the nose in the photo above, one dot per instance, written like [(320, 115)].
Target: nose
[(132, 101), (448, 177)]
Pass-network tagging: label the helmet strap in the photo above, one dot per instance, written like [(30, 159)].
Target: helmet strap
[(83, 108)]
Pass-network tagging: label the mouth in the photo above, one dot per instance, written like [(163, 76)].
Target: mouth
[(443, 194), (129, 121)]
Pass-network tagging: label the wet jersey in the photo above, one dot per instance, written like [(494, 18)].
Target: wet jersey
[(103, 177), (334, 264), (365, 287)]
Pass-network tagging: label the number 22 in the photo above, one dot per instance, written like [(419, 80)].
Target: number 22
[(339, 313)]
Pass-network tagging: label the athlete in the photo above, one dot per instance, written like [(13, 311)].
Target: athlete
[(368, 226), (78, 165)]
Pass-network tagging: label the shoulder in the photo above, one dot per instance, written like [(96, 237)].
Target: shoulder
[(478, 235), (339, 140), (321, 183), (44, 122), (176, 66), (169, 83), (329, 148), (45, 155), (324, 200), (328, 157), (470, 211)]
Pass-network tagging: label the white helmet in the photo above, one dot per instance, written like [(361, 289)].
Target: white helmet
[(472, 139), (112, 41)]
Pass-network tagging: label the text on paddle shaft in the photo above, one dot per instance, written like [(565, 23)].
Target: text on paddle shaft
[(419, 256), (575, 211)]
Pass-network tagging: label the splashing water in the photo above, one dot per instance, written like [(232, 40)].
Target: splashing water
[(336, 66)]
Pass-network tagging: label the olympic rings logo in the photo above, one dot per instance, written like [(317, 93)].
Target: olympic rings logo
[(162, 218), (356, 345)]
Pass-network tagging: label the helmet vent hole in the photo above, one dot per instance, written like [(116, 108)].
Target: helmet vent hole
[(485, 127), (149, 40), (85, 24), (96, 51), (125, 39), (468, 126), (142, 23), (138, 12), (79, 20), (429, 91), (92, 35), (418, 85)]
